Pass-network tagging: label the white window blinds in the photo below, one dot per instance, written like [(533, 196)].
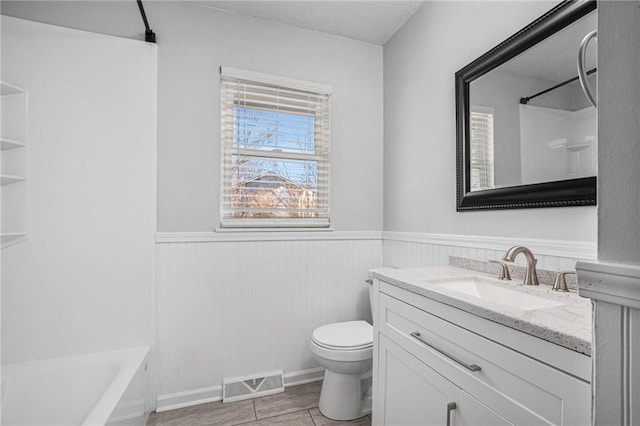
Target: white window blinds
[(275, 151), (482, 173)]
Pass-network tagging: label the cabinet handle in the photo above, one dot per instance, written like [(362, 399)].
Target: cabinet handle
[(450, 407), (471, 367)]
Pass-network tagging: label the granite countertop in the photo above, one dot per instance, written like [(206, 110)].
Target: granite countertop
[(567, 325)]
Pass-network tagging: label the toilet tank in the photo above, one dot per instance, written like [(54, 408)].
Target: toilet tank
[(371, 296)]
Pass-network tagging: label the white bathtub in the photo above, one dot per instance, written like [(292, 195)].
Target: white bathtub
[(97, 389)]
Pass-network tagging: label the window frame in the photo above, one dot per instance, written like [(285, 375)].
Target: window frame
[(486, 167), (229, 147)]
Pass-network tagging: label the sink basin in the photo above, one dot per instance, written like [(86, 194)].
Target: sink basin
[(486, 290)]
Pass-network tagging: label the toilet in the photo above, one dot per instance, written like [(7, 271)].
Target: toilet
[(345, 350)]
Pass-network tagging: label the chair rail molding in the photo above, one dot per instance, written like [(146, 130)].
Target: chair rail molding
[(608, 282), (264, 235)]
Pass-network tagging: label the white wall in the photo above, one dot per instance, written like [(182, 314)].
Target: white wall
[(619, 133), (84, 280), (614, 283), (193, 42), (419, 152)]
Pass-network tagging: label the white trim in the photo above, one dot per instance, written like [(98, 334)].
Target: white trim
[(568, 249), (613, 283), (61, 29), (559, 248), (275, 235), (173, 401), (302, 377), (276, 80), (482, 109), (273, 223)]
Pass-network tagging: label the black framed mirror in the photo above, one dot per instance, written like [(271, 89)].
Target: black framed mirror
[(526, 133)]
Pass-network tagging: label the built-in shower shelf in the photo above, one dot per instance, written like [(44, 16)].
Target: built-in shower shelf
[(10, 89), (12, 238), (578, 146), (9, 179), (7, 144), (13, 143)]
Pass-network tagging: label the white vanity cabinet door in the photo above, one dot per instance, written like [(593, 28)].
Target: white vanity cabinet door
[(471, 412), (409, 392)]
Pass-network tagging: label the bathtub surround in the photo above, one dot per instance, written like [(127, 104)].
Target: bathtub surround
[(83, 282)]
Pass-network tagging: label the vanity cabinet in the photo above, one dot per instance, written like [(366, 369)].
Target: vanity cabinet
[(429, 355), (422, 396), (13, 171)]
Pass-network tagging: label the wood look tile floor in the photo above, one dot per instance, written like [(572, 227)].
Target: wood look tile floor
[(297, 406)]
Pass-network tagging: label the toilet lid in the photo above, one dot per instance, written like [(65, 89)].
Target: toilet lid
[(344, 335)]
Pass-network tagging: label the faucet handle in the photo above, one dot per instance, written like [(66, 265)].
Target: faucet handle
[(560, 283), (504, 270)]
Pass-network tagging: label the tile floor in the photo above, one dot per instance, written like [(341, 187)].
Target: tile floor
[(297, 406)]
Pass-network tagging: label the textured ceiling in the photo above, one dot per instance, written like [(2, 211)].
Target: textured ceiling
[(369, 21)]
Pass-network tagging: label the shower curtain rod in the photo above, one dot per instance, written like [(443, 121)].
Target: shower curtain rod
[(524, 101), (149, 35)]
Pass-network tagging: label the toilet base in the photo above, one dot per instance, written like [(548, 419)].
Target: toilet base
[(341, 397)]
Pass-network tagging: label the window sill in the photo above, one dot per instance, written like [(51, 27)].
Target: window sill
[(271, 229), (273, 234)]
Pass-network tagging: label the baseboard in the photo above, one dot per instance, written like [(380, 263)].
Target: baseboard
[(173, 401), (295, 378)]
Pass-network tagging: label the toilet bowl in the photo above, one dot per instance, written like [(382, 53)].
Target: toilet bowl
[(345, 350)]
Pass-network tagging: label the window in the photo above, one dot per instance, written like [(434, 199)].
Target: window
[(482, 175), (275, 151)]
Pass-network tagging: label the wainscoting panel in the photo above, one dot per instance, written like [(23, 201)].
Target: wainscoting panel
[(235, 308), (403, 249), (243, 303)]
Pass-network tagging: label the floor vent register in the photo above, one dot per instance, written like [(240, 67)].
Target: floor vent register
[(239, 388)]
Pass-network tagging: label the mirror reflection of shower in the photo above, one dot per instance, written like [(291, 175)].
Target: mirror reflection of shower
[(530, 121), (576, 167), (576, 163)]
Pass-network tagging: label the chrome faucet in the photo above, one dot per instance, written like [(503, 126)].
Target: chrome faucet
[(531, 277)]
